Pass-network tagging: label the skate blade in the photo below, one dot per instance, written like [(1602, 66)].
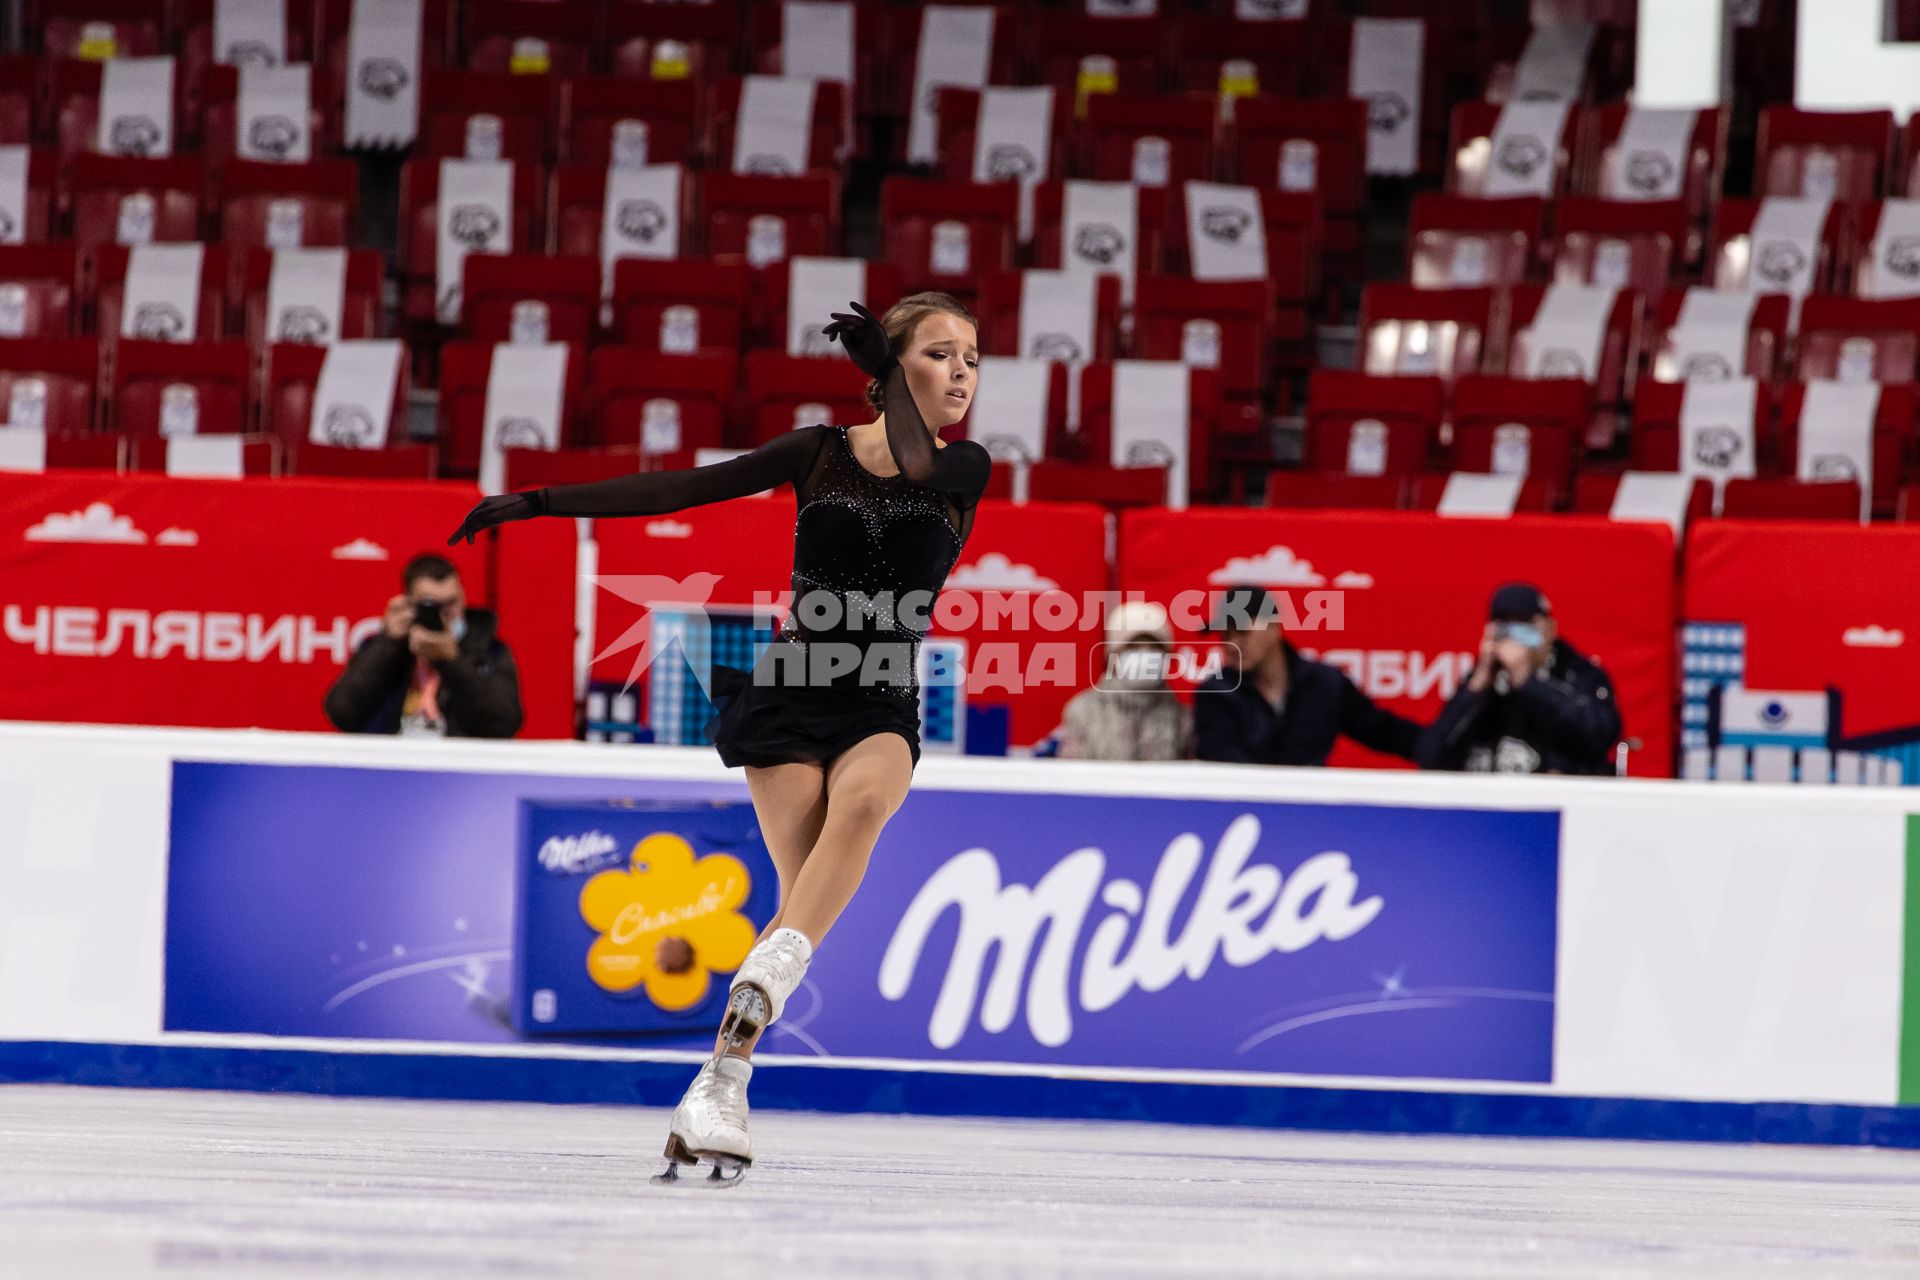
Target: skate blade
[(747, 1010), (724, 1170)]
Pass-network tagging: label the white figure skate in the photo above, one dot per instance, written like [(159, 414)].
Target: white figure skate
[(710, 1124), (769, 974)]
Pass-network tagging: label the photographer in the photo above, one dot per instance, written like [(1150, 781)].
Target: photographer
[(1533, 703), (435, 669)]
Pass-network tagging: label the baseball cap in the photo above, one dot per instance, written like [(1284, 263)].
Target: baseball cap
[(1138, 618), (1518, 602), (1245, 608)]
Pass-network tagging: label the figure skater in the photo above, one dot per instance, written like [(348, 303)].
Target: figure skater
[(828, 747)]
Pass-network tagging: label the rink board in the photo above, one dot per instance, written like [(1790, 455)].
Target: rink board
[(1720, 962)]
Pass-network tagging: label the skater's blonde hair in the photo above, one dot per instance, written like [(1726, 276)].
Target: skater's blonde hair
[(903, 317)]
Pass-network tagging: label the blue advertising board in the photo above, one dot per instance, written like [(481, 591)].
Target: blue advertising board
[(1025, 928)]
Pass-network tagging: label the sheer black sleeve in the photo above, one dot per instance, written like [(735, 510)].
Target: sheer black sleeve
[(785, 459), (960, 470)]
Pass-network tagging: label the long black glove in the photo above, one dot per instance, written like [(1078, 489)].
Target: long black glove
[(865, 341), (499, 509)]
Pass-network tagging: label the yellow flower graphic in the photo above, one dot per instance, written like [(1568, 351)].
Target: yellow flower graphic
[(668, 922)]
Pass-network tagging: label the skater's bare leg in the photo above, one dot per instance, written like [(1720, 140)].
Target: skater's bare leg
[(790, 801), (865, 785)]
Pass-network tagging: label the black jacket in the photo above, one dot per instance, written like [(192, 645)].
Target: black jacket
[(479, 692), (1241, 726), (1562, 720)]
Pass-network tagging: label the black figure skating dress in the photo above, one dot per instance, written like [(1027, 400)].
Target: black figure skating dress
[(871, 550)]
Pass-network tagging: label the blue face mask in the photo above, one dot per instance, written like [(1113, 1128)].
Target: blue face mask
[(1524, 633)]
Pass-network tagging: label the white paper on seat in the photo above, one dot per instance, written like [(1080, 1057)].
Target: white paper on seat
[(1785, 245), (1894, 270), (816, 288), (1099, 230), (1226, 232), (1270, 10), (1569, 331), (1385, 71), (1013, 140), (526, 392), (271, 115), (1708, 341), (1151, 420), (1653, 495), (956, 49), (136, 107), (222, 457), (1836, 436), (1716, 431), (1649, 160), (640, 217), (160, 300), (13, 194), (383, 81), (353, 398), (1009, 414), (1553, 65), (250, 33), (774, 131), (306, 294), (1057, 316), (23, 448), (1470, 494), (816, 40), (1525, 149), (475, 215)]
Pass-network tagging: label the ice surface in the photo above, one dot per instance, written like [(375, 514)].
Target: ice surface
[(108, 1182)]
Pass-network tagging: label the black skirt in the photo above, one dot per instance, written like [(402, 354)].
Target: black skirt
[(767, 724)]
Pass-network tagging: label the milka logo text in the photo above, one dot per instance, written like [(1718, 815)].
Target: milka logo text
[(1244, 914), (570, 855)]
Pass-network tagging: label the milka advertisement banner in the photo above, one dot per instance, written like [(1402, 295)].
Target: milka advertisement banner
[(1046, 930)]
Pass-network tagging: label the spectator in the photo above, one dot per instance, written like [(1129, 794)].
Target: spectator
[(1278, 706), (1130, 714), (434, 669), (1532, 705)]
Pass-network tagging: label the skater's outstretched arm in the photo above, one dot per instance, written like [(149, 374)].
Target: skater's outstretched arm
[(783, 460)]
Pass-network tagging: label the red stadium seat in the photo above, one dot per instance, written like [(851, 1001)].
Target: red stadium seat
[(108, 279), (1779, 498), (1538, 494), (1299, 145), (529, 37), (1470, 148), (1280, 53), (266, 206), (147, 376), (708, 32), (465, 368), (1517, 426), (1619, 349), (1706, 166), (417, 259), (894, 79), (395, 462), (73, 107), (539, 468), (999, 313), (1766, 338), (68, 371), (956, 128), (784, 392), (943, 235), (217, 92), (1655, 443), (1906, 509), (1294, 233), (658, 306), (1166, 309), (1334, 491), (450, 102), (92, 451), (760, 220), (1094, 441), (1075, 51), (20, 92), (1153, 207), (1845, 155), (286, 406), (1372, 426), (39, 216), (68, 28), (1893, 438), (1052, 480), (1457, 242), (40, 289), (193, 21), (110, 195), (1728, 257), (592, 107), (529, 297), (360, 303), (765, 37), (255, 455), (1636, 245), (826, 145), (1594, 492), (579, 203), (1859, 339), (1443, 333), (1150, 139), (661, 404), (773, 291)]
